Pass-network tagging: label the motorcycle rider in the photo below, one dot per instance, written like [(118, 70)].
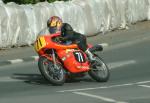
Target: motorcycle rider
[(56, 25)]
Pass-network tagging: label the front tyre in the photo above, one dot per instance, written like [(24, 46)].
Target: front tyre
[(99, 70), (53, 73)]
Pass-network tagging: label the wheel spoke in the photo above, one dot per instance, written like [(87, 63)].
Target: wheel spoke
[(53, 71)]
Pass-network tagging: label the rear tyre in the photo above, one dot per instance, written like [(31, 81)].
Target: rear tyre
[(99, 70), (53, 73)]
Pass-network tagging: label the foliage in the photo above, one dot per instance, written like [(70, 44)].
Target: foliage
[(30, 1)]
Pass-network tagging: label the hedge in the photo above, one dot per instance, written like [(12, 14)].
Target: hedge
[(30, 1)]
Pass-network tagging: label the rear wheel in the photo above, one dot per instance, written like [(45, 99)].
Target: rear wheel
[(99, 70), (54, 73)]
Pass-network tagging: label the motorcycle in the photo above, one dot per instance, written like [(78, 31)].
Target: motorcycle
[(59, 62)]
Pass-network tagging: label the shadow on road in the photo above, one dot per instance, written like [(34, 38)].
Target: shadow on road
[(31, 78), (37, 79)]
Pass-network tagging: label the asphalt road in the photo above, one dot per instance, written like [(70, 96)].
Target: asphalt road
[(129, 81)]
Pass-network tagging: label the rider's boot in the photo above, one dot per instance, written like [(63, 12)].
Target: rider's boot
[(90, 55)]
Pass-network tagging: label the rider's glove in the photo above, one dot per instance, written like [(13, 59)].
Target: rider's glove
[(61, 39)]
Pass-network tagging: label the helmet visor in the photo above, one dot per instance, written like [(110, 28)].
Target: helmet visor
[(53, 30)]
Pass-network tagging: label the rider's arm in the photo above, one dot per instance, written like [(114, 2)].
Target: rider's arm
[(68, 37)]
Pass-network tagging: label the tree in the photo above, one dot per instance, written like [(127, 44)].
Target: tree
[(30, 1)]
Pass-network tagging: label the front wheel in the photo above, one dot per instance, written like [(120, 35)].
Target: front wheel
[(54, 73), (99, 70)]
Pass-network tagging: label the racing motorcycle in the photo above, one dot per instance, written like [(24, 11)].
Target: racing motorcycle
[(58, 61)]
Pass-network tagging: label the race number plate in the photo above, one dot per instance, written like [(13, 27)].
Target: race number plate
[(40, 43), (79, 56)]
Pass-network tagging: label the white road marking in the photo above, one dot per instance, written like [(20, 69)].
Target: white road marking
[(104, 44), (16, 61), (99, 97), (120, 64), (35, 57), (146, 86), (104, 87), (121, 85), (83, 89), (143, 82)]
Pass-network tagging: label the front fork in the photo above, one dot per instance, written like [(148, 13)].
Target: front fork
[(54, 58)]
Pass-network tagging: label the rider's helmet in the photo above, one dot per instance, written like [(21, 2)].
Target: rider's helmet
[(54, 24), (66, 30)]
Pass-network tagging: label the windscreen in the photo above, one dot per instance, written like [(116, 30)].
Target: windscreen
[(44, 31)]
